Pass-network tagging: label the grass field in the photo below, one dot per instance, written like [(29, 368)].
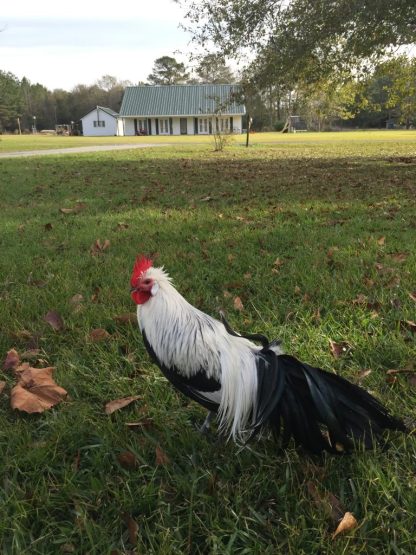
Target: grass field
[(14, 143), (337, 210)]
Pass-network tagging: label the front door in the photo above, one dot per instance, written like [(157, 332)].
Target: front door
[(184, 126)]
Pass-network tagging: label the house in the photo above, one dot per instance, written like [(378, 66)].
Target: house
[(180, 110), (100, 122)]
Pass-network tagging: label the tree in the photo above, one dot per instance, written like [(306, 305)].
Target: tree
[(213, 69), (302, 37), (167, 71), (11, 101)]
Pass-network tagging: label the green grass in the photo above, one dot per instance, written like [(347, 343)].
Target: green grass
[(62, 487), (14, 143)]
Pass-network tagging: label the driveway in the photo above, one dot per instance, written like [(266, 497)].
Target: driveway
[(75, 149)]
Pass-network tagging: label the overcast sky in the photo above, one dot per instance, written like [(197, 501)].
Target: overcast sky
[(61, 44)]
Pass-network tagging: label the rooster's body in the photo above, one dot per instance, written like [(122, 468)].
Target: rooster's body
[(250, 387)]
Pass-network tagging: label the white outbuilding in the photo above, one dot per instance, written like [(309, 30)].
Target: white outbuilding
[(100, 122)]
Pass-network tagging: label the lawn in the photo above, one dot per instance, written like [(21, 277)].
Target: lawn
[(315, 234), (14, 143)]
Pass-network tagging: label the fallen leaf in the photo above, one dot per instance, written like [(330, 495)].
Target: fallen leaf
[(400, 256), (161, 457), (238, 305), (381, 241), (277, 263), (360, 299), (12, 360), (249, 276), (206, 199), (412, 295), (226, 294), (127, 460), (128, 318), (132, 527), (297, 290), (363, 374), (410, 325), (36, 390), (348, 522), (76, 299), (2, 386), (77, 208), (54, 319), (331, 251), (339, 349), (230, 257), (98, 247), (99, 334), (48, 227), (408, 370), (118, 404)]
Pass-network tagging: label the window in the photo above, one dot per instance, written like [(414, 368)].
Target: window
[(164, 126), (203, 125), (224, 125), (99, 123)]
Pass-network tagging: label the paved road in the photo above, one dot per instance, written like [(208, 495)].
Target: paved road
[(75, 149)]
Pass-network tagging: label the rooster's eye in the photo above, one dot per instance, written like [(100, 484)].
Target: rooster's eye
[(147, 281)]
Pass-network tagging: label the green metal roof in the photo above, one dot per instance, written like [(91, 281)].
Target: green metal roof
[(179, 100)]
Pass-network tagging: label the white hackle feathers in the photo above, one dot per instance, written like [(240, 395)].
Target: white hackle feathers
[(189, 340)]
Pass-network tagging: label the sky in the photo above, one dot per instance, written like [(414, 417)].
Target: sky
[(61, 44)]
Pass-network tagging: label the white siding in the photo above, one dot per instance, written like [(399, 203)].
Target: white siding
[(107, 126), (128, 124)]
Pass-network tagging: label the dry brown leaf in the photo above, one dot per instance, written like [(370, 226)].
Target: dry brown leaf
[(2, 385), (297, 290), (54, 319), (277, 263), (409, 325), (128, 318), (238, 305), (247, 275), (161, 457), (98, 335), (12, 360), (381, 241), (412, 295), (339, 349), (360, 299), (231, 257), (77, 208), (400, 256), (36, 390), (331, 251), (132, 527), (226, 294), (98, 247), (127, 460), (363, 374), (348, 523), (118, 404), (75, 300), (48, 227), (206, 199), (393, 371)]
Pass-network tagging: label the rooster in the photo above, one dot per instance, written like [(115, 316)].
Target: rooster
[(250, 387)]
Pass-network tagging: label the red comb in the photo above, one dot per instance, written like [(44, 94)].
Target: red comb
[(141, 265)]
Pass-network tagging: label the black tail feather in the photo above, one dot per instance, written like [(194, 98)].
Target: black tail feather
[(320, 410)]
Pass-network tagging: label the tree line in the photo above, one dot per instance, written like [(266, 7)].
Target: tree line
[(25, 104), (384, 96)]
